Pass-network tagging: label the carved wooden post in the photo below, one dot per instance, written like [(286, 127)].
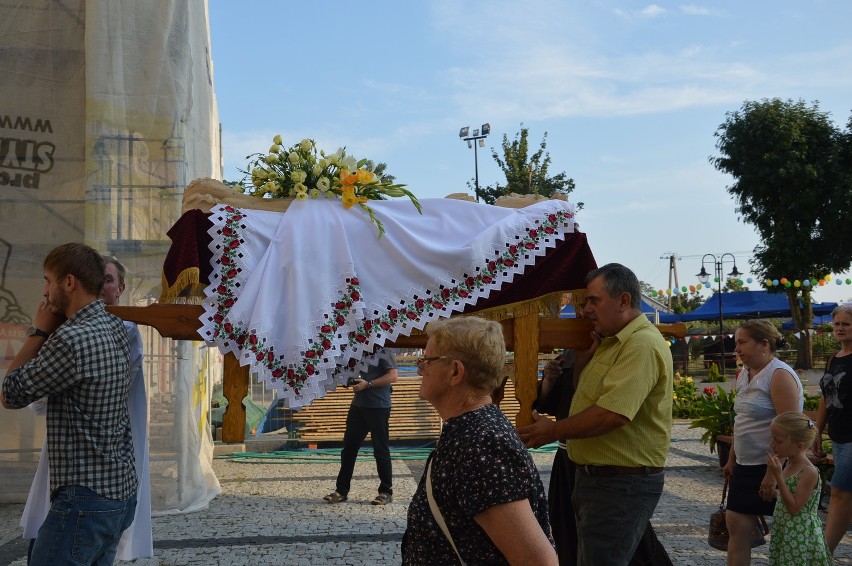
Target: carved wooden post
[(235, 384), (526, 365)]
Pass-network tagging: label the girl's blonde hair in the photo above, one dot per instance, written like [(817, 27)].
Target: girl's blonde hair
[(798, 426)]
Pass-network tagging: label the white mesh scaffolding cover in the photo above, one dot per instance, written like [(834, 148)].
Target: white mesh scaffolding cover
[(106, 111)]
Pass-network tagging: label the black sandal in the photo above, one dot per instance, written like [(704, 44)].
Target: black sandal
[(335, 497), (382, 499)]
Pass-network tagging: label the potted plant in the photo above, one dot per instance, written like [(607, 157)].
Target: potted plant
[(716, 417)]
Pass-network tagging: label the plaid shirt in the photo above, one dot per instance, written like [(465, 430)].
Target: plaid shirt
[(84, 370)]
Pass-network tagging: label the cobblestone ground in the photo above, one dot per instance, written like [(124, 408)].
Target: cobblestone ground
[(273, 513)]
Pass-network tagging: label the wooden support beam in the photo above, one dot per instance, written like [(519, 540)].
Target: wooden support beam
[(234, 387), (525, 338)]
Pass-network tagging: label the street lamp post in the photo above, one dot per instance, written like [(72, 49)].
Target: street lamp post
[(703, 276), (477, 139)]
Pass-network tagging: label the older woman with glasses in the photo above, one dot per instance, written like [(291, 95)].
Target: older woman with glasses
[(481, 499)]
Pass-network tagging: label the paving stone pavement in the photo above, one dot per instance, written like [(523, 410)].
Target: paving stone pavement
[(273, 513)]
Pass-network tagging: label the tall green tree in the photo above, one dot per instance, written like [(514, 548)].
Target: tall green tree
[(791, 170), (525, 174)]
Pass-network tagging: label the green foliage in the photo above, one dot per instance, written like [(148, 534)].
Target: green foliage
[(684, 398), (811, 401), (714, 375), (526, 174), (687, 302), (716, 415)]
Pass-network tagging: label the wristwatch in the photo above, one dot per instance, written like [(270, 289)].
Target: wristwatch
[(33, 331), (369, 384)]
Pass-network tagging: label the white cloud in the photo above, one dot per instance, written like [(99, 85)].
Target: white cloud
[(694, 10), (652, 11)]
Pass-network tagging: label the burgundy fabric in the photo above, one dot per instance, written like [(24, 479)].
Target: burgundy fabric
[(190, 246), (564, 267)]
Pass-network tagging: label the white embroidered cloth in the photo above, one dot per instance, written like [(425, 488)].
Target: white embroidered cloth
[(303, 296)]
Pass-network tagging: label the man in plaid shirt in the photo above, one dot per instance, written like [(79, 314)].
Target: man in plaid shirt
[(77, 355)]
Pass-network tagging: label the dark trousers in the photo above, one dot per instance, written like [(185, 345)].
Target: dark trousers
[(359, 422), (649, 552)]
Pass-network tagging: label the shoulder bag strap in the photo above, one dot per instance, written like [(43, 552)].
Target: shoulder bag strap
[(828, 361), (436, 511), (724, 494)]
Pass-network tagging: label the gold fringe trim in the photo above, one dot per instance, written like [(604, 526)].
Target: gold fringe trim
[(185, 288), (546, 305)]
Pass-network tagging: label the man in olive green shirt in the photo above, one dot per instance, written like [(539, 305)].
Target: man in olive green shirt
[(619, 425)]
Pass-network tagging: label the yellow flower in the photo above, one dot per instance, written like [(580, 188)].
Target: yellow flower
[(274, 148), (305, 145), (365, 176), (315, 193), (348, 196), (271, 158), (348, 179), (277, 140)]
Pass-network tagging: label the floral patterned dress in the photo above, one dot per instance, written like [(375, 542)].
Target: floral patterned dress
[(798, 540)]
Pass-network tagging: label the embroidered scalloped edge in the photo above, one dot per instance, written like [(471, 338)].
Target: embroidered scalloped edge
[(344, 336)]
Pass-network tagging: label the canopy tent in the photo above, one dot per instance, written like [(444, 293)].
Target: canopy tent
[(652, 309), (819, 320), (749, 304)]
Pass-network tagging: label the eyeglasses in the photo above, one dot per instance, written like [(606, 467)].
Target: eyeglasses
[(422, 362)]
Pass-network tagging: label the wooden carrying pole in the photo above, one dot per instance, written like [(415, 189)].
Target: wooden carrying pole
[(526, 336)]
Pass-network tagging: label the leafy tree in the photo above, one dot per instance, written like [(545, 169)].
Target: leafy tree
[(525, 174), (791, 168), (687, 302)]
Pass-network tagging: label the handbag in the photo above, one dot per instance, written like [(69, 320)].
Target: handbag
[(718, 535)]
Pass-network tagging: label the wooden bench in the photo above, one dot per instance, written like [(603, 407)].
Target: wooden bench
[(411, 420)]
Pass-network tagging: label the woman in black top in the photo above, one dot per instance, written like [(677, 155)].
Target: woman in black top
[(835, 410)]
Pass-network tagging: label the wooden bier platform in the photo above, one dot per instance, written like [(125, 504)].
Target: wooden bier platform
[(526, 336)]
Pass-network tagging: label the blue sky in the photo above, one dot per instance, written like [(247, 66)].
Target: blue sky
[(629, 93)]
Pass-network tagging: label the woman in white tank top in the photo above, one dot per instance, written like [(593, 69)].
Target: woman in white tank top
[(765, 387)]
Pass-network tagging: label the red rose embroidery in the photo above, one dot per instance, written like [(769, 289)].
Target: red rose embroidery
[(356, 296), (354, 281), (325, 329)]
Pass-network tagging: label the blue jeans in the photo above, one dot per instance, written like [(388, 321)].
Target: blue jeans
[(81, 527), (612, 515)]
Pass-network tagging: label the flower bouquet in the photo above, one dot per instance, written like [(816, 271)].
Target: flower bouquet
[(302, 172)]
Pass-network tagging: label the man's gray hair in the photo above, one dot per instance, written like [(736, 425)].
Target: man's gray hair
[(617, 280)]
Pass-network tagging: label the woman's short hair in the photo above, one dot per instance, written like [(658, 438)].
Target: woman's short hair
[(79, 260), (842, 307), (798, 426), (761, 330), (477, 343)]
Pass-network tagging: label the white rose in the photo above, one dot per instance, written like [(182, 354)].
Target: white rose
[(301, 196), (305, 145), (274, 149), (271, 158), (300, 188), (293, 157), (277, 140), (323, 184), (315, 193), (298, 176)]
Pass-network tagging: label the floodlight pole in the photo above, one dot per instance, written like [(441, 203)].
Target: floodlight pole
[(478, 140)]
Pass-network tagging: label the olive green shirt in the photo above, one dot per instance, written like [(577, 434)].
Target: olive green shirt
[(629, 374)]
